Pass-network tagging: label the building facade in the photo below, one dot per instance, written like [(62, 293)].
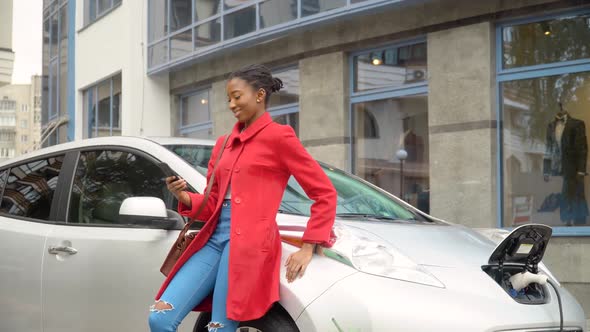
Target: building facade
[(6, 53), (20, 118), (457, 106)]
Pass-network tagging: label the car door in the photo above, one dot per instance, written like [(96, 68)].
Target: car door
[(25, 220), (107, 273)]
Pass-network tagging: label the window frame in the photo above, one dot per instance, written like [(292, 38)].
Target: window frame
[(524, 73), (259, 34), (57, 194), (55, 102), (87, 21), (67, 192), (290, 108), (91, 132), (378, 94), (198, 126)]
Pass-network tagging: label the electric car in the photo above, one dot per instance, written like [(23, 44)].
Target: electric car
[(84, 227)]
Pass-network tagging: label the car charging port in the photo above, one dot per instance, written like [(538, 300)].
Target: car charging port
[(535, 292), (514, 264)]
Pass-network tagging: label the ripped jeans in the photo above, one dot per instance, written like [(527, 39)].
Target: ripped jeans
[(205, 271)]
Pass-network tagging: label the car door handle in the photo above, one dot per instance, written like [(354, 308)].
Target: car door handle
[(63, 249)]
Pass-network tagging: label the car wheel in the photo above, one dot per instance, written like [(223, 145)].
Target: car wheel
[(276, 319)]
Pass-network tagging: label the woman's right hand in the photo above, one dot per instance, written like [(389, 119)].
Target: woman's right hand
[(175, 186)]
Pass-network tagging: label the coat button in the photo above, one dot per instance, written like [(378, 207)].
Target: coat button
[(237, 200), (237, 170), (238, 231)]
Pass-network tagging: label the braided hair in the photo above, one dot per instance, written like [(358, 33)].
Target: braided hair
[(259, 77)]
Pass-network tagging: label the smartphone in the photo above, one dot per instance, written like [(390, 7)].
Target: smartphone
[(167, 170)]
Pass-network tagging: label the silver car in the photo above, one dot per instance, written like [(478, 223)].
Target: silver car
[(84, 227)]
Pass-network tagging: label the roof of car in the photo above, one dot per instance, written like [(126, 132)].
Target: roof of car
[(112, 140), (167, 140)]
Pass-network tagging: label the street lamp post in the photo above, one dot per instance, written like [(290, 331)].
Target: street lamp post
[(401, 155)]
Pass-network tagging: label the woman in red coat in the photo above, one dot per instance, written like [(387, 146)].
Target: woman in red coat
[(256, 163)]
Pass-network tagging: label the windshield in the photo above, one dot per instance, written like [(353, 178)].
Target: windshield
[(356, 198)]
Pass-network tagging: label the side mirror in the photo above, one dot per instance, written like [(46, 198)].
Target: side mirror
[(147, 212)]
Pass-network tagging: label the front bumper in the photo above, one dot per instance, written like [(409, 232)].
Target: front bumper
[(363, 302)]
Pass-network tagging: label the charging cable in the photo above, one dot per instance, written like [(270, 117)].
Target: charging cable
[(558, 301), (521, 280)]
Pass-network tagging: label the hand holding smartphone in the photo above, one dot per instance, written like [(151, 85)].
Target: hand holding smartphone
[(167, 170)]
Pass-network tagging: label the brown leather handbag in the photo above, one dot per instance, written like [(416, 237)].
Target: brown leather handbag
[(185, 238)]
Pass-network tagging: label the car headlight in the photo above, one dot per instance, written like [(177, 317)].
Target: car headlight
[(369, 254)]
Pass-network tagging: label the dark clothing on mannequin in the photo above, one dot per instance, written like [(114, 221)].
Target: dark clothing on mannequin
[(567, 157)]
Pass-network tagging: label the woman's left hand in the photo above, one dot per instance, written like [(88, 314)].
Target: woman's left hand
[(297, 262)]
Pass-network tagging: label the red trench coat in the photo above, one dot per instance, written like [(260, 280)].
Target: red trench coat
[(258, 162)]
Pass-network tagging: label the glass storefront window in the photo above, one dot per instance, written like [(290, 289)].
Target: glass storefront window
[(291, 119), (390, 146), (545, 150), (545, 42), (289, 94), (195, 115), (284, 105), (390, 67), (195, 108)]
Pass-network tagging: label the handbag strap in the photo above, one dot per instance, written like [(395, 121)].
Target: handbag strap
[(207, 191)]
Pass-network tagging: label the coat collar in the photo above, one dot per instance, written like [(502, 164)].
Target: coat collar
[(264, 120)]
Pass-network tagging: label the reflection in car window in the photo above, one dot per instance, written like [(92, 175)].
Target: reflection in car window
[(3, 177), (197, 156), (104, 179), (30, 187), (355, 198)]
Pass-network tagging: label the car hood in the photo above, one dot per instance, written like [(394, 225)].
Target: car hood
[(432, 245)]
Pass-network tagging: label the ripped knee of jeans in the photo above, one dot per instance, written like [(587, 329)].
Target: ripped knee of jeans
[(161, 307), (213, 326)]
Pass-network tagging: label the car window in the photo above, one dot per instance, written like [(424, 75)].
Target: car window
[(196, 155), (3, 177), (356, 199), (30, 187), (103, 179)]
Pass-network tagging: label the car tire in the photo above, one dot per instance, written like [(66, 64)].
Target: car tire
[(276, 319)]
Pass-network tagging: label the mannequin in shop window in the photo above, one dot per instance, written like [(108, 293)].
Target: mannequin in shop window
[(565, 156)]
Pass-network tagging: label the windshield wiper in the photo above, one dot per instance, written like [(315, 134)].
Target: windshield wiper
[(370, 216)]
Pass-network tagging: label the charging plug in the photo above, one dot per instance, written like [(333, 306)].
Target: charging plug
[(521, 280)]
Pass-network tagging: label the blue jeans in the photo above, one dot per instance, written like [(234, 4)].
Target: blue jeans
[(205, 271)]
